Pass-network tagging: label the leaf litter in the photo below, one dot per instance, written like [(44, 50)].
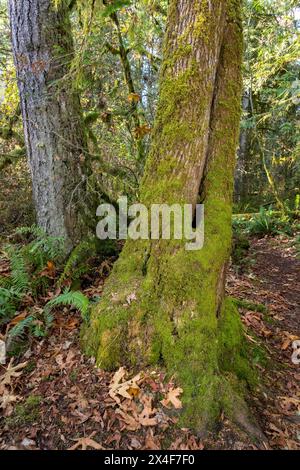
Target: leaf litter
[(78, 406)]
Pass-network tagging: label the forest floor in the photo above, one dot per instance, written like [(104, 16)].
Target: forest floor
[(57, 399)]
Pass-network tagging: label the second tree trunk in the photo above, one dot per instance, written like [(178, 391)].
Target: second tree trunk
[(55, 141)]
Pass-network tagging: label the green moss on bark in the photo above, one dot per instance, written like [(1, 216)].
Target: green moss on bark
[(170, 309)]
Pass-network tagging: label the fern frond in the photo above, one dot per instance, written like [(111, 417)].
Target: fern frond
[(48, 319), (50, 247), (5, 282), (18, 330), (34, 230), (74, 299), (78, 255), (19, 274), (8, 301), (19, 279), (42, 248)]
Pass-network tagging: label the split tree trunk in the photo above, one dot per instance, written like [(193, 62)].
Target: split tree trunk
[(54, 136), (178, 315)]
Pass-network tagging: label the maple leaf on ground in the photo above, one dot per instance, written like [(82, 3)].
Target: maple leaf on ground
[(12, 372), (118, 376), (145, 418), (128, 389), (172, 397), (85, 442)]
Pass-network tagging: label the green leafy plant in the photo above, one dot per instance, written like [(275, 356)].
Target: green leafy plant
[(14, 287), (40, 247), (267, 222), (77, 265), (9, 300), (74, 299), (36, 324), (25, 279), (115, 6)]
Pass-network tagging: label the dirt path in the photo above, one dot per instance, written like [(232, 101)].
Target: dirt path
[(59, 400), (279, 270), (274, 281)]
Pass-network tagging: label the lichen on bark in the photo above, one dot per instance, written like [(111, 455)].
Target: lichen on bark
[(179, 317)]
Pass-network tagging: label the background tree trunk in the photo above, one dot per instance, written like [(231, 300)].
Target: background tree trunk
[(241, 172), (54, 136), (180, 317)]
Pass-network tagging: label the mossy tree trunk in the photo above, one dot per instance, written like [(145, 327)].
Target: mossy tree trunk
[(179, 316), (54, 134)]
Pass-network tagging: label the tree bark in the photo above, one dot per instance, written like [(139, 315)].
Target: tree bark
[(240, 180), (180, 317), (54, 135)]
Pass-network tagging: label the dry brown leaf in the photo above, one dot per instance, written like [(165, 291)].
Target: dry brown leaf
[(60, 360), (172, 397), (285, 345), (118, 376), (296, 353), (128, 389), (135, 443), (145, 418), (130, 423), (85, 442), (151, 442), (12, 372), (193, 444), (287, 402), (18, 318), (7, 399), (49, 271)]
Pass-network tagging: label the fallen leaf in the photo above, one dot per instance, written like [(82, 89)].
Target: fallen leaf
[(85, 442), (172, 397), (296, 353), (18, 318), (146, 418), (285, 345), (6, 398), (131, 424), (12, 372), (49, 271), (135, 443), (128, 389), (130, 298), (151, 442)]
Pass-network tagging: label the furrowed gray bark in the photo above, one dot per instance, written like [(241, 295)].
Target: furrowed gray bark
[(54, 135)]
